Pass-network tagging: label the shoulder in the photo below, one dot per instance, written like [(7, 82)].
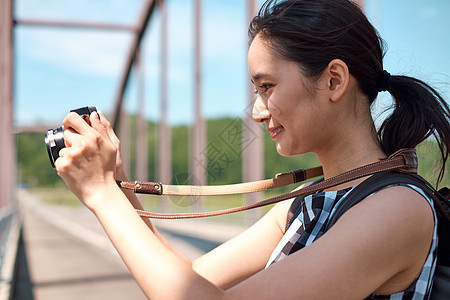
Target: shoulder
[(377, 246), (402, 221), (399, 224), (400, 209), (389, 233), (397, 215), (400, 202)]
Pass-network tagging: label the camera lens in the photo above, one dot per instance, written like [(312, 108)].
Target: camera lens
[(54, 140)]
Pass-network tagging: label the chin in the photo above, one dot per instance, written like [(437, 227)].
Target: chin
[(288, 151), (285, 152)]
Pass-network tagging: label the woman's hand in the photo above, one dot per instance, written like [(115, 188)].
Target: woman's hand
[(88, 163), (120, 173)]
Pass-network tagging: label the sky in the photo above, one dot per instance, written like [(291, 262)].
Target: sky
[(57, 69)]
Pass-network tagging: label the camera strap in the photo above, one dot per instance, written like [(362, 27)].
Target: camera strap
[(404, 160), (280, 180)]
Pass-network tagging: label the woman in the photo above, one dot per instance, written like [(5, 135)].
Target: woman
[(317, 67)]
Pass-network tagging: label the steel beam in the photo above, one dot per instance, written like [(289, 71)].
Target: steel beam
[(39, 128), (147, 11), (164, 156), (164, 139), (75, 25), (198, 137), (7, 145), (141, 124), (253, 140)]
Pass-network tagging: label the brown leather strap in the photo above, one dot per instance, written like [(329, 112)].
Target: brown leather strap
[(404, 160), (280, 180)]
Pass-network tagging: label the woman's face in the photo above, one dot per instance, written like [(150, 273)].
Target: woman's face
[(290, 110)]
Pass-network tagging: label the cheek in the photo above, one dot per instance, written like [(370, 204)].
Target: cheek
[(289, 103), (292, 116), (279, 106), (276, 110), (302, 133)]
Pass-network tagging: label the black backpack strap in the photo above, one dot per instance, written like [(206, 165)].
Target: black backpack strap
[(376, 183)]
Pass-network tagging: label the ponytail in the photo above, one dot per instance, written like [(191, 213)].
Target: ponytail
[(420, 112)]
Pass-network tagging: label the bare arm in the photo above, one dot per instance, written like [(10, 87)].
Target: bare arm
[(246, 254), (233, 261), (120, 175), (224, 265), (369, 248)]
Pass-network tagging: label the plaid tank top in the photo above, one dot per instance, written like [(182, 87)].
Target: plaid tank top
[(309, 223)]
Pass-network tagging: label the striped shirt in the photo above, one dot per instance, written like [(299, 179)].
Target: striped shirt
[(311, 220)]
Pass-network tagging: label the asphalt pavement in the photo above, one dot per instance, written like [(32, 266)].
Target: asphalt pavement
[(65, 253)]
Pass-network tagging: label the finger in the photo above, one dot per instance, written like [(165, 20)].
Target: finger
[(68, 137), (109, 128), (104, 119), (63, 152), (98, 125), (75, 121), (106, 123), (61, 161)]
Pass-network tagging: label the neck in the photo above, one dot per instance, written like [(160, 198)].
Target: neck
[(350, 152)]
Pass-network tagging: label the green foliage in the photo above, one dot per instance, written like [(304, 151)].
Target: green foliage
[(180, 150), (430, 164), (222, 151), (33, 162)]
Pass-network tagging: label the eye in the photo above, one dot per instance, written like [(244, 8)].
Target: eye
[(264, 88)]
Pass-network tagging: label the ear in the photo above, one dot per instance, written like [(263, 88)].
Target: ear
[(338, 78)]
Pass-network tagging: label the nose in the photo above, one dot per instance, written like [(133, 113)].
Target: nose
[(260, 113)]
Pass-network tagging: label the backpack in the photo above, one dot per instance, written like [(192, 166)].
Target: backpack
[(441, 200)]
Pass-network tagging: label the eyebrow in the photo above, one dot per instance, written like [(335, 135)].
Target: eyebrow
[(258, 76)]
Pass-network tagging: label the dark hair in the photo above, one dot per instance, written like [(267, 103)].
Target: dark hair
[(313, 33)]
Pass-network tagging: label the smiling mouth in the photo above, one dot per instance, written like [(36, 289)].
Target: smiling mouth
[(275, 132)]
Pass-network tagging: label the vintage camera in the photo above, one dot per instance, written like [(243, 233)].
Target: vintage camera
[(54, 138)]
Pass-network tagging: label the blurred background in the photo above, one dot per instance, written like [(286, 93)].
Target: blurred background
[(172, 76)]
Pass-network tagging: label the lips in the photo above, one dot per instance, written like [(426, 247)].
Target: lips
[(275, 131)]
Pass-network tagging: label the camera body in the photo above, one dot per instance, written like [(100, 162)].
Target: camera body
[(54, 138)]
